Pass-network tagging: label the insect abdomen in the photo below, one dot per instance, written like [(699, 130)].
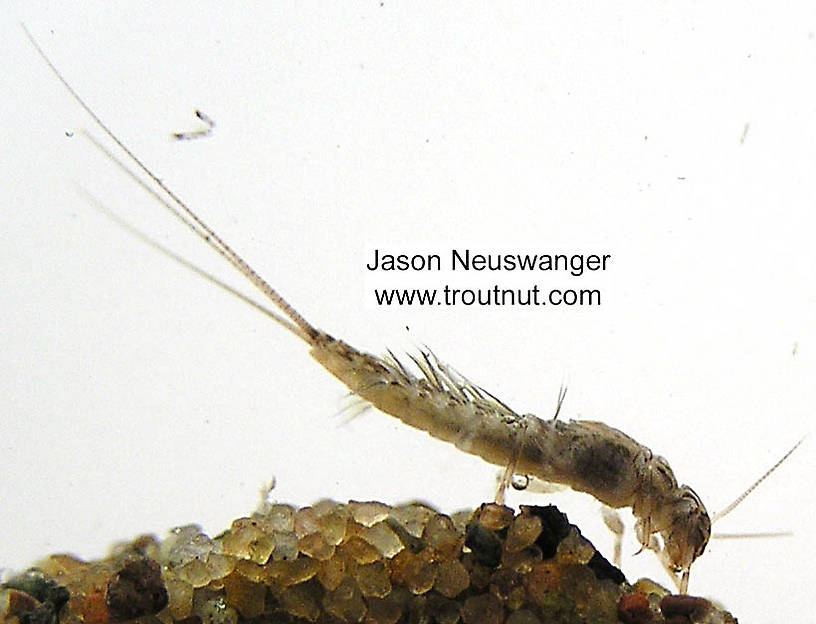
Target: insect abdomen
[(474, 426)]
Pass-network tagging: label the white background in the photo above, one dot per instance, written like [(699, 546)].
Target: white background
[(136, 396)]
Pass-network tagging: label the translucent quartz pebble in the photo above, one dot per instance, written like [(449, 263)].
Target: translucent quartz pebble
[(333, 571), (523, 616), (523, 532), (368, 513), (516, 598), (63, 566), (577, 584), (286, 546), (146, 545), (406, 539), (295, 572), (522, 561), (382, 538), (505, 585), (194, 572), (216, 611), (241, 534), (647, 587), (443, 610), (246, 539), (441, 535), (277, 518), (482, 609), (346, 602), (333, 527), (325, 506), (574, 548), (306, 521), (461, 518), (184, 544), (262, 548), (360, 550), (315, 546), (452, 578), (414, 571), (601, 604), (543, 581), (373, 580), (389, 610), (244, 595), (220, 565), (412, 517), (301, 601), (494, 517), (252, 571)]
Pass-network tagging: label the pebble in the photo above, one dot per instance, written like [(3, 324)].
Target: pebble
[(345, 602), (495, 517), (373, 579), (368, 513), (136, 589), (452, 578), (314, 545), (361, 562), (523, 532), (216, 611), (278, 518), (246, 597)]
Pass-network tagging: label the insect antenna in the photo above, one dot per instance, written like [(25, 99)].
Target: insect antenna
[(751, 535), (753, 486), (184, 213)]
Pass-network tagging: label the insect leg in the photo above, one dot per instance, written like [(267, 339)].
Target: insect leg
[(613, 522), (519, 438)]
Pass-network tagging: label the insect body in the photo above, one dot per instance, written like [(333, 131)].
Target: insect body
[(588, 456)]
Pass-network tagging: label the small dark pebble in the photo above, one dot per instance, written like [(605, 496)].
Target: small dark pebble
[(42, 614), (604, 570), (44, 590), (485, 545), (443, 609), (136, 590), (554, 527), (689, 607), (634, 609), (48, 593), (19, 602)]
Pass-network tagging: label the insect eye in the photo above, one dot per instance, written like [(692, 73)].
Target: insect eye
[(661, 467), (691, 494)]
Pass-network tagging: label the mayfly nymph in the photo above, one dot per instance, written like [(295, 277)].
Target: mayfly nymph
[(588, 456)]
